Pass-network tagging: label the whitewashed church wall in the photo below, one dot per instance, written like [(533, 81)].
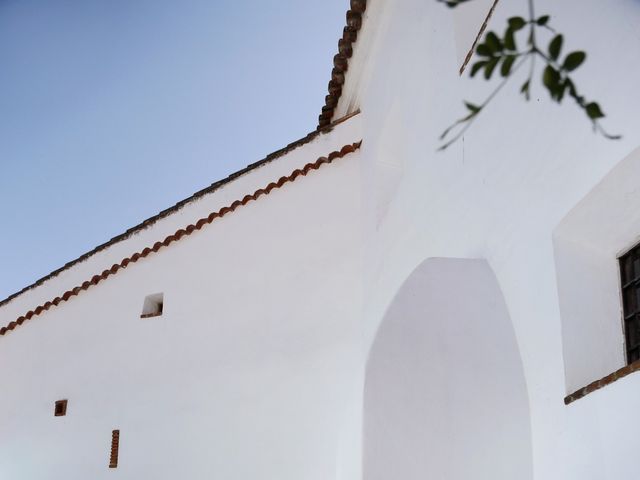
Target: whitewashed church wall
[(246, 374), (274, 382), (499, 194)]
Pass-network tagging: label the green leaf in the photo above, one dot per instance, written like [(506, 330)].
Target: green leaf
[(507, 63), (491, 65), (550, 76), (483, 50), (477, 66), (611, 137), (555, 46), (525, 89), (472, 108), (492, 41), (574, 60), (543, 20), (551, 80), (509, 40), (452, 3), (593, 110), (516, 23)]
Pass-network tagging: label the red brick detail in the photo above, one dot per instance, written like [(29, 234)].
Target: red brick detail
[(183, 232), (603, 382), (115, 447), (60, 409)]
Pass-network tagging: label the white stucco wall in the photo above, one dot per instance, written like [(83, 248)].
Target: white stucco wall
[(589, 240), (498, 195), (257, 367), (253, 350)]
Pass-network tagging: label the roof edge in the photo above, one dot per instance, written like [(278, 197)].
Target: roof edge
[(178, 206), (181, 233), (341, 61)]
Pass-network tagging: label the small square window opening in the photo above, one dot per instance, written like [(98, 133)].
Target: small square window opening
[(152, 306)]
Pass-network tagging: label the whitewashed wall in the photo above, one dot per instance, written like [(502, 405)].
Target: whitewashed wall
[(243, 376), (499, 195), (257, 367), (598, 230)]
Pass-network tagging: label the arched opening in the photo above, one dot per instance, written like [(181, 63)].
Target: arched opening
[(445, 394)]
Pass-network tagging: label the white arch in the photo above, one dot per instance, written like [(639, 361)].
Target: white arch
[(445, 393)]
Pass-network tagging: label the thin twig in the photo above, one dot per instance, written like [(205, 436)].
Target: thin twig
[(478, 36), (470, 119)]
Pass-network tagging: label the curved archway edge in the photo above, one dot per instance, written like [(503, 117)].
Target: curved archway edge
[(445, 393)]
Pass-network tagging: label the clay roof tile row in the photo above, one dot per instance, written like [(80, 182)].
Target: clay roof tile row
[(164, 213), (341, 61), (325, 124), (183, 232)]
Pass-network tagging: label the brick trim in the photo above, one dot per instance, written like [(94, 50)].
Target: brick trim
[(115, 447), (179, 234), (60, 408), (603, 382)]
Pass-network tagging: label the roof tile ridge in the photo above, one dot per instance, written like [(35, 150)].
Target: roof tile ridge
[(179, 205), (341, 61), (180, 233)]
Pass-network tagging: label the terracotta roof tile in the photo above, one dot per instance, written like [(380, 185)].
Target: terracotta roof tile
[(151, 220), (188, 230), (325, 124), (341, 61)]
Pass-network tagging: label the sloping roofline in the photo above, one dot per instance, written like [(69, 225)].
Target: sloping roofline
[(341, 61), (181, 233), (325, 124), (181, 204)]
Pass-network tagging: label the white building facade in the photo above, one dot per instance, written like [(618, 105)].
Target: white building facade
[(358, 305)]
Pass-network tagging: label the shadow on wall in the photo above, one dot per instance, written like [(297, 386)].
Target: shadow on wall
[(445, 394)]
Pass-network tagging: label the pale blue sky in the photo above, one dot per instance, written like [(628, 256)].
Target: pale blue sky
[(112, 110)]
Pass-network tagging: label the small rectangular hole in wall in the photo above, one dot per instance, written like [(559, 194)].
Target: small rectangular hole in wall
[(115, 445), (152, 306), (60, 408)]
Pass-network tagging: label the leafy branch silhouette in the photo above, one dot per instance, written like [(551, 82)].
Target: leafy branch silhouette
[(504, 55)]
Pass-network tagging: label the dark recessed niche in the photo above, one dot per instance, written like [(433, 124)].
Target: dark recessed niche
[(60, 409), (115, 446), (152, 306), (630, 282)]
